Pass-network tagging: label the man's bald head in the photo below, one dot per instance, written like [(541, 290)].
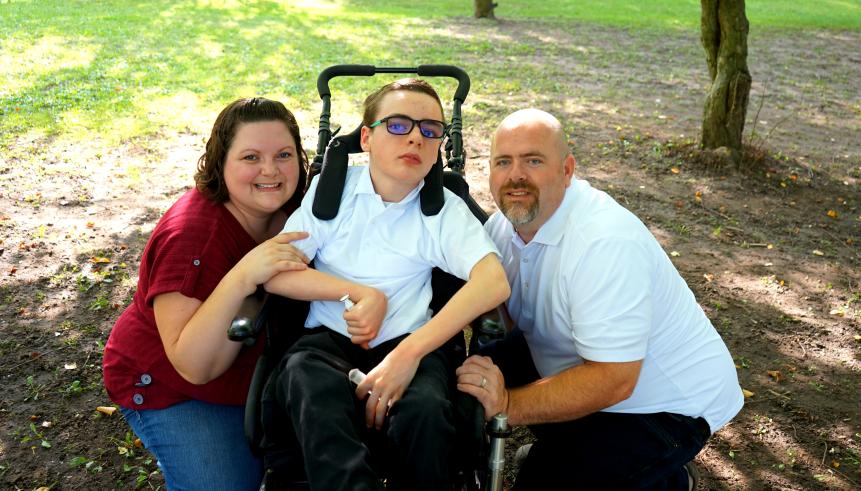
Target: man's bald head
[(534, 119)]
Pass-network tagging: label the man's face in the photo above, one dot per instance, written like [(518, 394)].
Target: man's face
[(529, 172)]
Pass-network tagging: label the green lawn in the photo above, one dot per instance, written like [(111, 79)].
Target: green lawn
[(116, 70)]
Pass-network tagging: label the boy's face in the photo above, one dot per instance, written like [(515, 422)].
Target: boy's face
[(399, 162)]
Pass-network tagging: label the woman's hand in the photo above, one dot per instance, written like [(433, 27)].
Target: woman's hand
[(480, 378), (366, 316), (385, 385), (270, 258)]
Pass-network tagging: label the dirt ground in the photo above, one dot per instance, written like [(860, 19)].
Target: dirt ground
[(770, 250)]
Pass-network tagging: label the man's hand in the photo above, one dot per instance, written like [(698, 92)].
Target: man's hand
[(480, 378), (385, 385)]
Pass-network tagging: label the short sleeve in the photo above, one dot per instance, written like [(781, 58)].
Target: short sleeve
[(463, 241), (611, 301), (175, 264)]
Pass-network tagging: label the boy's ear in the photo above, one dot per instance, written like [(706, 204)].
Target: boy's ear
[(365, 138)]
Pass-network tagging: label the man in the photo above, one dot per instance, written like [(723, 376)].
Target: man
[(612, 364)]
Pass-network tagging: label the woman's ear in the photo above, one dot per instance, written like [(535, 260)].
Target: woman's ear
[(365, 139)]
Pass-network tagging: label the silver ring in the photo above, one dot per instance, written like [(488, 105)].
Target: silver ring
[(483, 382)]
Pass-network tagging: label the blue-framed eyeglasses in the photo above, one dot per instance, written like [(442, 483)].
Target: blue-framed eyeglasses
[(403, 125)]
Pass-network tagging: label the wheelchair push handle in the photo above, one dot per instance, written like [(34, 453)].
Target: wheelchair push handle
[(451, 71)]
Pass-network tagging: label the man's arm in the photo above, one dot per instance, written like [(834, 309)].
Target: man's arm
[(568, 395)]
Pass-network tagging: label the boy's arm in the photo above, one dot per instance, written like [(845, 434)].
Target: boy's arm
[(486, 288), (363, 320)]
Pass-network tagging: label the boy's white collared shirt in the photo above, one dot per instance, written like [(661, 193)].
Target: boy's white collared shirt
[(390, 246)]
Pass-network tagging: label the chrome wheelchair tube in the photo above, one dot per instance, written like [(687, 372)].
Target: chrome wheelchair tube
[(499, 431)]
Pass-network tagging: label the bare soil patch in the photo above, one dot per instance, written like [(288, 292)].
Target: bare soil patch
[(771, 250)]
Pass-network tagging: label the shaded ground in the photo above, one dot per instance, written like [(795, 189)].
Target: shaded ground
[(771, 251)]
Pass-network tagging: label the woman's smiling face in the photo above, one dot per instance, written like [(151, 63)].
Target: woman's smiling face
[(261, 169)]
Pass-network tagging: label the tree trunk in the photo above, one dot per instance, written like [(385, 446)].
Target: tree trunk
[(724, 29), (484, 9)]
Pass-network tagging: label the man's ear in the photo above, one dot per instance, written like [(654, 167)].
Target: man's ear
[(365, 138), (568, 168)]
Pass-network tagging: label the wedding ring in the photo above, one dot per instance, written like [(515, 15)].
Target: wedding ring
[(483, 382)]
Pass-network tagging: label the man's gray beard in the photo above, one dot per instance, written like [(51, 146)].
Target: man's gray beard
[(519, 215)]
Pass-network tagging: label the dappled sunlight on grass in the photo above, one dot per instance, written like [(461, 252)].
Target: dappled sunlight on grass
[(22, 60)]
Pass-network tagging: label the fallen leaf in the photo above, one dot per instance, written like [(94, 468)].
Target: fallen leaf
[(675, 170), (90, 224), (832, 214), (138, 443), (675, 253), (775, 374), (70, 366), (857, 337), (747, 393), (107, 410), (99, 260), (47, 424), (698, 196), (817, 252), (122, 450), (709, 277), (43, 488), (835, 464), (837, 312)]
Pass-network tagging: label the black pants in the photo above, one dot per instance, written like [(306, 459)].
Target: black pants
[(329, 421), (602, 450)]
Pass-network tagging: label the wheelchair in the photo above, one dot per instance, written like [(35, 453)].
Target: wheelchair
[(478, 461)]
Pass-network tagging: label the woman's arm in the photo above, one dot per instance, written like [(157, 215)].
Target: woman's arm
[(194, 333)]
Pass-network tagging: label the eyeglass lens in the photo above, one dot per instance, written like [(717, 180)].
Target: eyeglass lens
[(429, 128)]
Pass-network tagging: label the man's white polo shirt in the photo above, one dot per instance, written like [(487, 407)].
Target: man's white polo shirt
[(594, 283)]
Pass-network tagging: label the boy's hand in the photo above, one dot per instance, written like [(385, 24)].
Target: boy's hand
[(385, 385), (270, 258), (366, 316)]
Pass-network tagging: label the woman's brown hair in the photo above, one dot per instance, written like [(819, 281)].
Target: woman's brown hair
[(209, 177)]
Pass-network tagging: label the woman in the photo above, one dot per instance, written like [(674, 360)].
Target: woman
[(180, 383)]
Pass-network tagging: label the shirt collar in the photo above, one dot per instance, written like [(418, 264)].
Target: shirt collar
[(366, 186)]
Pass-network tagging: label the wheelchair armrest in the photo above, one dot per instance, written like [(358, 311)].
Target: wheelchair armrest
[(250, 318)]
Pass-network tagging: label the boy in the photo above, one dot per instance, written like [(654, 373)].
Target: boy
[(380, 251)]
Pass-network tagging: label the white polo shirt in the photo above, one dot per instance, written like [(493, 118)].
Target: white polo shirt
[(389, 246), (594, 283)]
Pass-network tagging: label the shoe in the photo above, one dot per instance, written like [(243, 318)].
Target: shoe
[(521, 455), (693, 475)]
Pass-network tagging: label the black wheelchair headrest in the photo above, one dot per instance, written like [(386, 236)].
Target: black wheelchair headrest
[(330, 187)]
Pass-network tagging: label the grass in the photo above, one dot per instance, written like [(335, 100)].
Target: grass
[(110, 72)]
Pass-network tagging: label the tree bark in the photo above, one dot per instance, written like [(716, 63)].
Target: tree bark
[(724, 29), (484, 9)]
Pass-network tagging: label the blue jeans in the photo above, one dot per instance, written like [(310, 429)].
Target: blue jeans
[(199, 446), (602, 450)]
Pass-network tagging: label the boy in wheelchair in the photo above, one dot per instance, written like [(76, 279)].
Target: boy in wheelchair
[(379, 251)]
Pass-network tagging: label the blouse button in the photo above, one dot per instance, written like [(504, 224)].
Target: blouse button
[(196, 262), (146, 379), (137, 399)]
